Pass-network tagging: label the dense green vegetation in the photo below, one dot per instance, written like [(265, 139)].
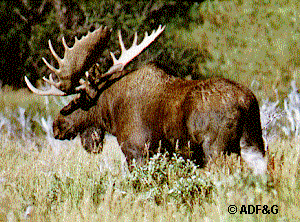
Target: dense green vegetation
[(250, 40), (27, 26)]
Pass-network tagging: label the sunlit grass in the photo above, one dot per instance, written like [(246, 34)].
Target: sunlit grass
[(53, 180)]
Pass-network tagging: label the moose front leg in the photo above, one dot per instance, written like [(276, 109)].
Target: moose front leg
[(136, 143)]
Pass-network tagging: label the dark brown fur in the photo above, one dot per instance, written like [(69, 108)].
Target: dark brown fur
[(147, 106)]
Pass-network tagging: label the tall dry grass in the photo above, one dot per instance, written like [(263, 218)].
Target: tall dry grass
[(74, 185)]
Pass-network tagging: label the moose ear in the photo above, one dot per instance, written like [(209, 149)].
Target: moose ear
[(83, 101), (70, 108)]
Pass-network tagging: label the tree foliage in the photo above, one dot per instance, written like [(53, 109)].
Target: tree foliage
[(27, 25)]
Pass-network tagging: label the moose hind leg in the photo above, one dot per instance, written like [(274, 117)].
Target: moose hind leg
[(255, 161)]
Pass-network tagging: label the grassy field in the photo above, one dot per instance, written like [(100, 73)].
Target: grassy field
[(252, 42), (76, 186)]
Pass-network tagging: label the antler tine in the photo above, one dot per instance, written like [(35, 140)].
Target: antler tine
[(65, 44), (52, 91), (128, 54), (121, 41), (59, 60), (50, 66), (135, 39), (50, 81), (75, 61)]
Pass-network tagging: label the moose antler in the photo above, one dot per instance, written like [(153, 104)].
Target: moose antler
[(76, 61), (128, 54)]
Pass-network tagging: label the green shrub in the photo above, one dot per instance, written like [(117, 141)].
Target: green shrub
[(173, 180)]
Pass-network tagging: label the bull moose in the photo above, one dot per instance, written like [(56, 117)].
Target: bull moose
[(149, 105)]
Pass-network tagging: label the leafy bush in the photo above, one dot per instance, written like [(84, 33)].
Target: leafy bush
[(173, 180)]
